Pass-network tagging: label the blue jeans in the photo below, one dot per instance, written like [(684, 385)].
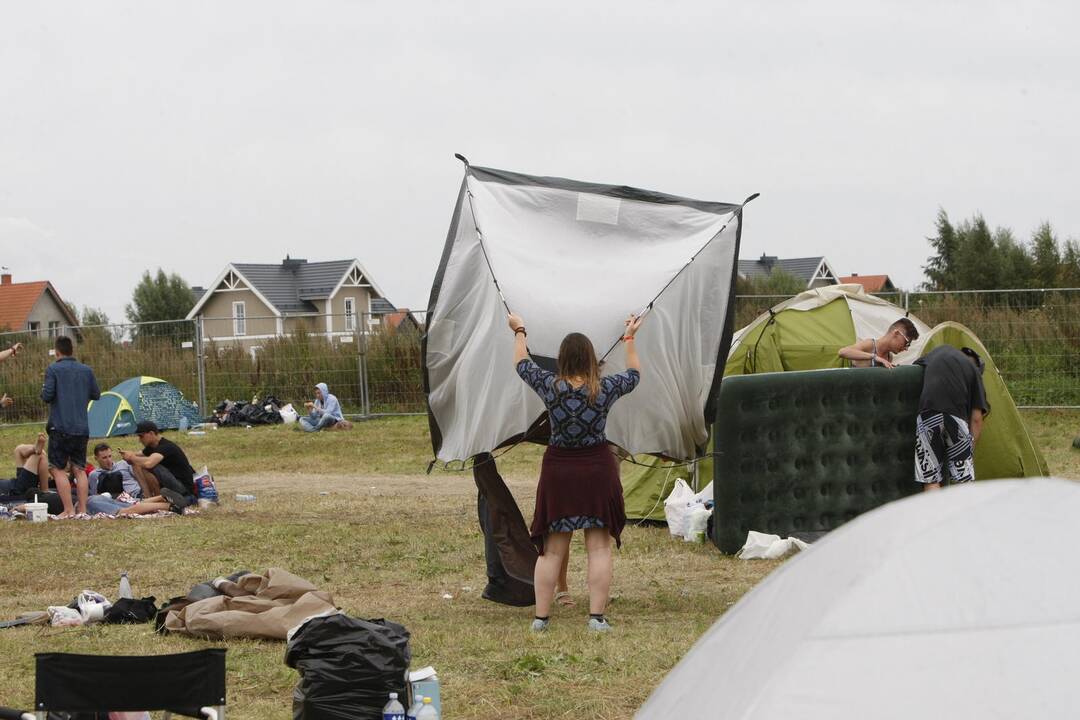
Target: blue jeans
[(316, 422), (100, 504)]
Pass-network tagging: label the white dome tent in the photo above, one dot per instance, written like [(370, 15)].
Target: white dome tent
[(959, 604)]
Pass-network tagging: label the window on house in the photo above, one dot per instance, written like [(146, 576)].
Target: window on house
[(239, 314), (33, 326), (54, 328), (350, 314)]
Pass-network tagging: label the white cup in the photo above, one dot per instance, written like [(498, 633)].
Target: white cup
[(37, 511)]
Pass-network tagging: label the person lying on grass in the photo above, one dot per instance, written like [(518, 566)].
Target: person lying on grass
[(162, 471), (31, 469), (323, 413), (878, 352)]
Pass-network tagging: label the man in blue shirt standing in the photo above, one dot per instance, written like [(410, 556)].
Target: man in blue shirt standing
[(69, 387)]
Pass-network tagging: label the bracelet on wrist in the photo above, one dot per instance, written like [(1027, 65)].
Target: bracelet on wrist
[(627, 338), (521, 330)]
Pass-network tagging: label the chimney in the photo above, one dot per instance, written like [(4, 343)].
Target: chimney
[(291, 263), (5, 279), (768, 261), (854, 274)]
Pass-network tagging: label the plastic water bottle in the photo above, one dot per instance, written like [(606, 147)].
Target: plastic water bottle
[(428, 711), (414, 709), (393, 709), (245, 498), (183, 424), (125, 586)]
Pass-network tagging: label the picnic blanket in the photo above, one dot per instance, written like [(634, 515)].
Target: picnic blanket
[(263, 606)]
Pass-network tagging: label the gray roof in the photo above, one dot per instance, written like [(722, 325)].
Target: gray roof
[(381, 306), (291, 287), (800, 268)]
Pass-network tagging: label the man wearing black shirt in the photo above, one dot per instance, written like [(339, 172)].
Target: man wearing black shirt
[(951, 411), (163, 471)]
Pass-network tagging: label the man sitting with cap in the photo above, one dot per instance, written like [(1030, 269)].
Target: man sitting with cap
[(162, 470)]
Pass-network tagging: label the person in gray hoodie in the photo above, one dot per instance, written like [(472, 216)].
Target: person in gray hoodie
[(323, 413)]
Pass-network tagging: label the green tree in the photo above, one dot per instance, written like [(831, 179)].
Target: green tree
[(1046, 257), (96, 326), (1069, 272), (158, 298), (940, 268)]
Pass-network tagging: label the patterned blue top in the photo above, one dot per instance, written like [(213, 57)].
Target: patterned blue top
[(575, 422)]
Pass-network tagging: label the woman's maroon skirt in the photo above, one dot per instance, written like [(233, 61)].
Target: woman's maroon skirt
[(578, 482)]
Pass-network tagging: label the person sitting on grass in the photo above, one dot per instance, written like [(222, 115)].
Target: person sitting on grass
[(31, 470), (878, 352), (112, 476), (324, 412), (162, 471)]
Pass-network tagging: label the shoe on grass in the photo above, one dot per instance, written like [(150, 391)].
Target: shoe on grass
[(177, 502), (539, 626), (599, 625)]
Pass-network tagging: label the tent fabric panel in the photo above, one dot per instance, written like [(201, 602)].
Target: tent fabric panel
[(616, 191), (971, 545), (101, 413), (475, 397), (545, 246)]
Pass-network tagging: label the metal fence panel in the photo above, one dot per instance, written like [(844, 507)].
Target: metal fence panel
[(115, 352), (374, 366)]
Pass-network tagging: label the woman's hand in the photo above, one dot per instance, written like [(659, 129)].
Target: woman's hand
[(632, 324), (884, 362), (515, 322)]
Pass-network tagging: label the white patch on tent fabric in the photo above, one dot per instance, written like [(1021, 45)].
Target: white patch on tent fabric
[(598, 208)]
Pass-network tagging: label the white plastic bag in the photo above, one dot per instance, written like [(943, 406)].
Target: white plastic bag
[(288, 414), (61, 616), (768, 547), (697, 524), (92, 606), (676, 507)]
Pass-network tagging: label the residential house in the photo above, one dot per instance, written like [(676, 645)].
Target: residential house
[(871, 283), (814, 271), (33, 307), (249, 302)]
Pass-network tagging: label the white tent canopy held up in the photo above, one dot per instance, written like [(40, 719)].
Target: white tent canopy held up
[(580, 257)]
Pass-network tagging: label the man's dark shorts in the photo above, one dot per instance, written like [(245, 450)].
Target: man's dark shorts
[(166, 479), (64, 449), (17, 486)]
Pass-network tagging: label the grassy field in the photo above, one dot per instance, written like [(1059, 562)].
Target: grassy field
[(387, 541)]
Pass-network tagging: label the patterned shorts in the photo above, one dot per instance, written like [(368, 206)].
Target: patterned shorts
[(575, 522), (943, 449)]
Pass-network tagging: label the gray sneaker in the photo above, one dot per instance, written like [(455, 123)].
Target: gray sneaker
[(539, 626), (601, 625)]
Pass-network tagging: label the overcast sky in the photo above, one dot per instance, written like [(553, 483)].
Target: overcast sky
[(187, 135)]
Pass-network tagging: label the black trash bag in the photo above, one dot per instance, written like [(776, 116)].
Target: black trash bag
[(348, 667), (128, 611)]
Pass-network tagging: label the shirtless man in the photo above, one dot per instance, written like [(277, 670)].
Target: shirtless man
[(878, 352)]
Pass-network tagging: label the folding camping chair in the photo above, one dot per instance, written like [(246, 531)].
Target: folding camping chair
[(186, 684)]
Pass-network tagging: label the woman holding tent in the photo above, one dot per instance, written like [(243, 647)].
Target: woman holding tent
[(579, 487)]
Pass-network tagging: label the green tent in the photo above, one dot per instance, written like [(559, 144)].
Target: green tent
[(139, 398), (805, 333)]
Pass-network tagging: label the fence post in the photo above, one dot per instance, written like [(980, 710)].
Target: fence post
[(361, 362), (200, 363)]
